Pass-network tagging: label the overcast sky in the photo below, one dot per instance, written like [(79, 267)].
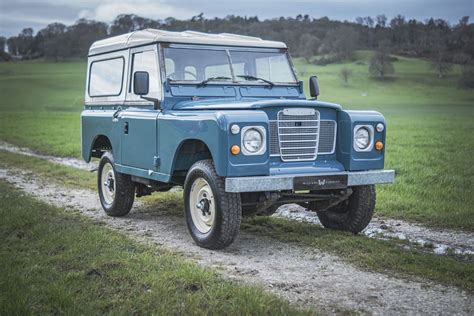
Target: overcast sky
[(18, 14)]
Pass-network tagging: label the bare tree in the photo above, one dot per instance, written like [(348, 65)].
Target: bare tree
[(381, 20), (309, 46), (380, 64), (440, 58), (3, 43), (345, 74), (463, 60)]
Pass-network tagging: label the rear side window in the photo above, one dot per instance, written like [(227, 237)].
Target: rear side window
[(147, 61), (106, 77)]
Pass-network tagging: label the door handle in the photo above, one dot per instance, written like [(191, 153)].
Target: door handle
[(125, 128), (116, 114)]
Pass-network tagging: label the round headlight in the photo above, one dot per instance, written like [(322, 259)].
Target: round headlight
[(252, 140), (362, 138)]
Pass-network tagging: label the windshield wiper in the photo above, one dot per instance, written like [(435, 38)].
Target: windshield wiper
[(249, 77), (204, 82)]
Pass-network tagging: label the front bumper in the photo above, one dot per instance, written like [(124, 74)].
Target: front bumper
[(319, 181)]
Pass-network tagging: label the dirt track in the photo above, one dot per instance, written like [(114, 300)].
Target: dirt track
[(439, 242), (301, 275)]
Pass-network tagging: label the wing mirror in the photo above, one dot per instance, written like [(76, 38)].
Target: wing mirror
[(141, 83), (313, 87), (141, 86)]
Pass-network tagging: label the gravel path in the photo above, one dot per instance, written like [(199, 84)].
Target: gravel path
[(304, 276), (441, 242), (65, 161)]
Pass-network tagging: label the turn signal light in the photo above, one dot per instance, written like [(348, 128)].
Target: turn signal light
[(379, 145), (235, 150)]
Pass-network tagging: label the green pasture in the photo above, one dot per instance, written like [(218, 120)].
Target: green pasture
[(430, 127)]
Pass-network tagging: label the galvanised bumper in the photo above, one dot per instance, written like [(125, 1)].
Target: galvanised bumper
[(287, 182)]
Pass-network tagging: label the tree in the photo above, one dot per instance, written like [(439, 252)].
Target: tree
[(82, 34), (345, 74), (381, 20), (55, 44), (380, 63), (3, 43), (463, 60), (439, 54), (341, 41), (309, 45)]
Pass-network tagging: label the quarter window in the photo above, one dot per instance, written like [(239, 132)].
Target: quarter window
[(106, 77), (147, 61)]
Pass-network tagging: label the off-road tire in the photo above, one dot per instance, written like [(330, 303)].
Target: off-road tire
[(228, 208), (352, 215), (124, 189)]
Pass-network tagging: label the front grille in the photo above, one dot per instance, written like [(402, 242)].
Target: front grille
[(326, 142), (327, 137), (298, 136)]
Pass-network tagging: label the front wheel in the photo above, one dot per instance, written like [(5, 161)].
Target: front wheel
[(353, 214), (212, 215), (116, 190)]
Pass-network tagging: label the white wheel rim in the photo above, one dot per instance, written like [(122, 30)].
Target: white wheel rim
[(202, 205), (108, 183)]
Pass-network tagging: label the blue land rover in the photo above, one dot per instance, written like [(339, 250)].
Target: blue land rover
[(224, 116)]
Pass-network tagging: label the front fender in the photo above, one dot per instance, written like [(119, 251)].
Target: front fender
[(211, 128), (346, 154), (174, 128)]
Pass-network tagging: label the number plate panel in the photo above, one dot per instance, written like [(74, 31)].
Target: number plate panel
[(320, 182)]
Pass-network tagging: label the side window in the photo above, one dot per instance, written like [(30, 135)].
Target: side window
[(146, 61), (105, 78)]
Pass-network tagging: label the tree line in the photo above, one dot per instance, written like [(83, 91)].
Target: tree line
[(306, 37)]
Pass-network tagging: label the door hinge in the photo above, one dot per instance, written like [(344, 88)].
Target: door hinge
[(156, 161)]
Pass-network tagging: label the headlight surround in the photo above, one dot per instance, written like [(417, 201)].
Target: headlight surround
[(253, 140), (363, 138)]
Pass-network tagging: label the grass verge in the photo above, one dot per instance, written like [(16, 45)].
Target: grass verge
[(54, 262), (70, 177)]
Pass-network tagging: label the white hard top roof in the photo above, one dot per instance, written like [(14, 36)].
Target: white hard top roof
[(149, 36)]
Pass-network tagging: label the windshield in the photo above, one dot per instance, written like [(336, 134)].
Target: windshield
[(232, 65)]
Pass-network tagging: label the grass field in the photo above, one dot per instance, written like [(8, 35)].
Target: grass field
[(429, 143), (57, 263)]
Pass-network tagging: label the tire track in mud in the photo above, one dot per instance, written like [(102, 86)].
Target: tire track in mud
[(303, 276)]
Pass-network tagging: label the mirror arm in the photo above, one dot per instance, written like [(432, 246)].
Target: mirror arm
[(156, 102)]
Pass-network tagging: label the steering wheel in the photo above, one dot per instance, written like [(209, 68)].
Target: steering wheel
[(184, 72)]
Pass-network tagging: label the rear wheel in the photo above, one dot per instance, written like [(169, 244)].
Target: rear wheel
[(116, 190), (353, 214), (212, 215)]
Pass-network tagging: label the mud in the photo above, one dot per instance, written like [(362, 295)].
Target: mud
[(307, 277)]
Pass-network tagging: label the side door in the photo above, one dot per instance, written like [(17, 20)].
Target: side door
[(139, 118)]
